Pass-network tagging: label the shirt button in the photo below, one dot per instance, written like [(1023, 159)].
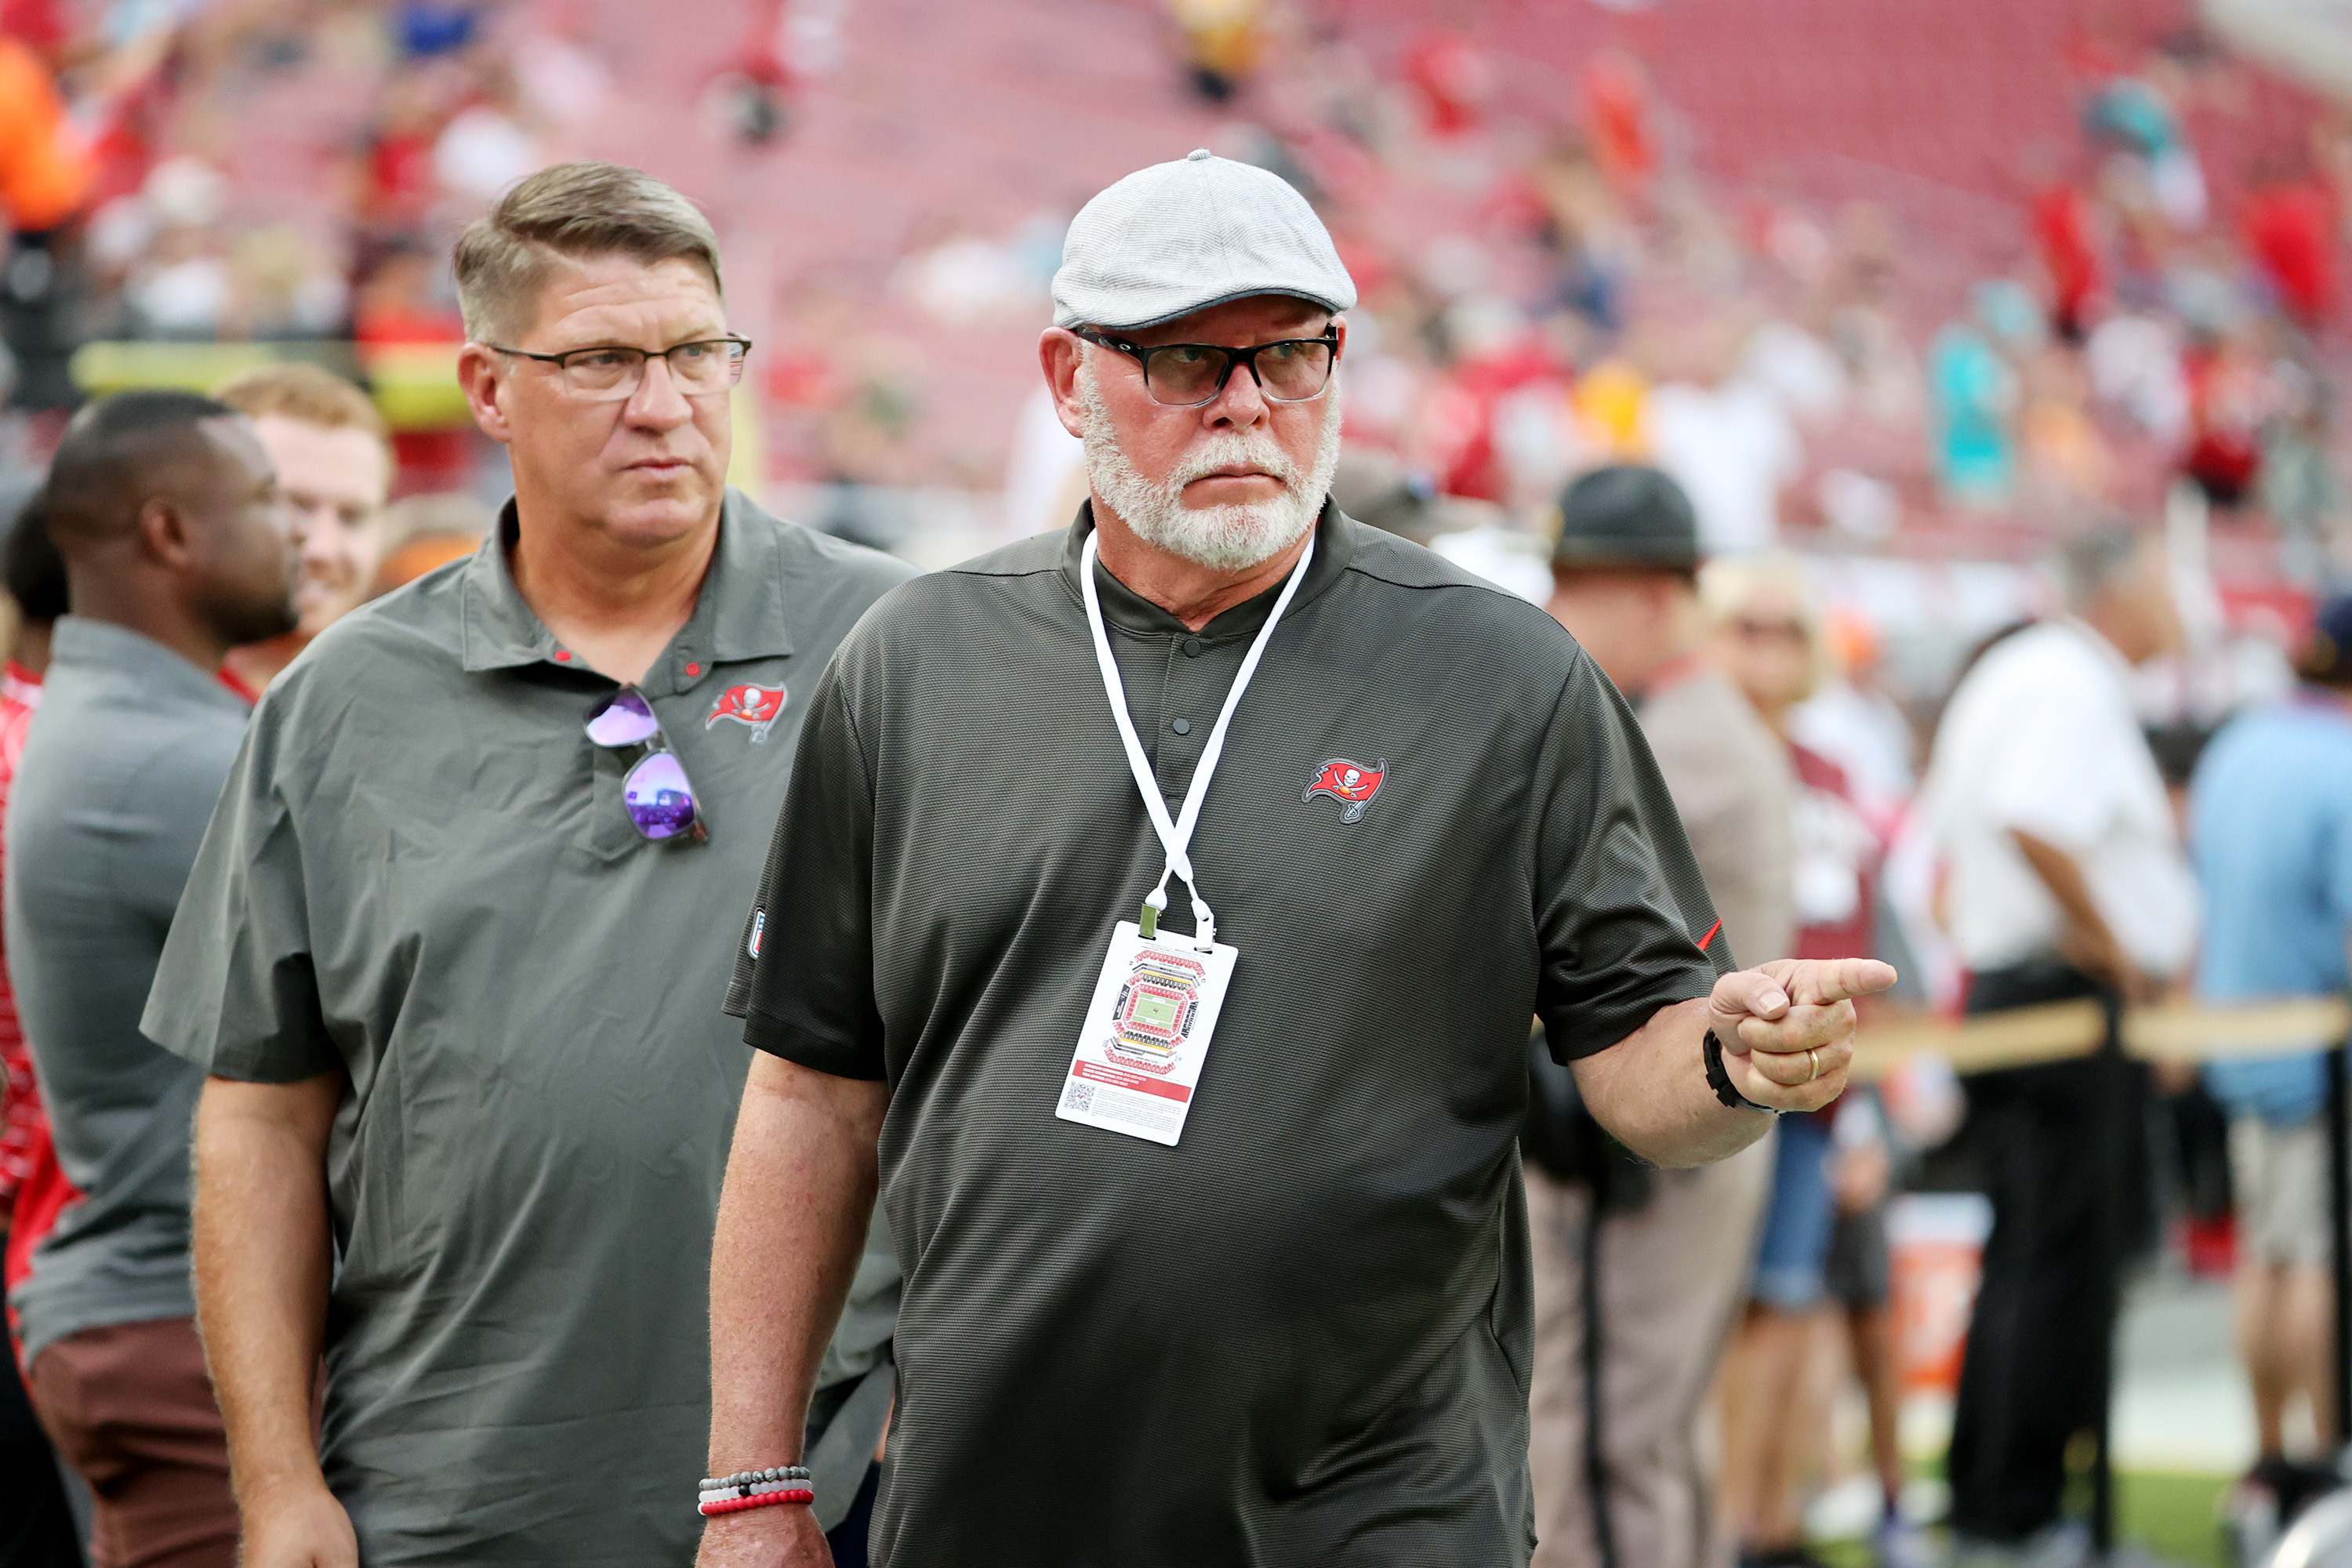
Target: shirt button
[(1182, 726), (692, 671), (1191, 648), (562, 655)]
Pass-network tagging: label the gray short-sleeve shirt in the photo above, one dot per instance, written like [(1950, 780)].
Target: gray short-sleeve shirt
[(118, 777), (1301, 1335), (422, 874)]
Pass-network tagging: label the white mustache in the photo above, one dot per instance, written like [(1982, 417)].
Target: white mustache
[(1230, 447)]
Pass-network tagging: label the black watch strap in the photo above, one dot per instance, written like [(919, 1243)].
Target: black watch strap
[(1720, 1080)]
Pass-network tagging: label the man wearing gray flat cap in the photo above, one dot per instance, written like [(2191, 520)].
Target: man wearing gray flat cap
[(1192, 874)]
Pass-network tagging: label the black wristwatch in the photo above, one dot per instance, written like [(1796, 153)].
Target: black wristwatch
[(1719, 1080)]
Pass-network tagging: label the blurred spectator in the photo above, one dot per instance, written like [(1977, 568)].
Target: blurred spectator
[(401, 302), (2300, 487), (2065, 462), (2135, 363), (2136, 116), (37, 1527), (2230, 399), (334, 464), (484, 149), (1619, 116), (2067, 880), (1724, 437), (1828, 1180), (1453, 81), (1855, 722), (2271, 825), (46, 177), (423, 531), (165, 511), (1223, 40), (2063, 230), (1976, 394), (2291, 228), (1637, 1272)]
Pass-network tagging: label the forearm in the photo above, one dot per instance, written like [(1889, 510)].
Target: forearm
[(800, 1181), (263, 1263), (1650, 1090)]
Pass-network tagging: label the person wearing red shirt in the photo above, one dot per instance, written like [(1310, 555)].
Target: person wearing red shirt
[(37, 1529)]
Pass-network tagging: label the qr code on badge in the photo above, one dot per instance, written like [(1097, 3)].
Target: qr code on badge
[(1080, 1098)]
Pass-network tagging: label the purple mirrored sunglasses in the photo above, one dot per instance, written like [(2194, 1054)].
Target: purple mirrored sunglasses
[(656, 792)]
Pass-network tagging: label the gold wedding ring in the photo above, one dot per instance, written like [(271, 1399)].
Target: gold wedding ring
[(1814, 1052)]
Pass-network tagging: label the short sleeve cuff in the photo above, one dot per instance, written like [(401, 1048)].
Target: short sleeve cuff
[(278, 1061), (1579, 1031), (841, 1058)]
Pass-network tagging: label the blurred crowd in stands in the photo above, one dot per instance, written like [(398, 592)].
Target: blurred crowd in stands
[(1539, 296)]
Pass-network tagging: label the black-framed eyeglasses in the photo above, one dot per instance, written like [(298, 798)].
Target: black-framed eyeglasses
[(657, 794), (612, 373), (1186, 375)]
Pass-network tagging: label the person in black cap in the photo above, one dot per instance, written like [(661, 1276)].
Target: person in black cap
[(1638, 1272)]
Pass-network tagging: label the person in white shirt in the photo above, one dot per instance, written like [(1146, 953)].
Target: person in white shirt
[(1724, 433), (2067, 879)]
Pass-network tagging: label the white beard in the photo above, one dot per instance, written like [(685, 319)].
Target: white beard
[(1230, 538)]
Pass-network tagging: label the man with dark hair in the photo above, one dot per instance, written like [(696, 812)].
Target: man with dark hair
[(2271, 818), (447, 955), (166, 512), (1638, 1272)]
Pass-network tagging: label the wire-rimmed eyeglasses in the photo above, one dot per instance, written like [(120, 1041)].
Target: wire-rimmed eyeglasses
[(613, 373), (1186, 375)]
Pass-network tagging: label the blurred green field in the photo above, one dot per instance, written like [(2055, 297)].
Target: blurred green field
[(2172, 1517)]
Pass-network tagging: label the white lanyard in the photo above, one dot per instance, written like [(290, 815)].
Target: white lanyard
[(1176, 836)]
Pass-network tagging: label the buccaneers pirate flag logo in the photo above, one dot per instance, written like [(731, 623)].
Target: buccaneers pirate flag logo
[(1352, 784), (757, 706)]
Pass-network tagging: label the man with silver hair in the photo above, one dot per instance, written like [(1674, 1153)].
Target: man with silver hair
[(1214, 1243)]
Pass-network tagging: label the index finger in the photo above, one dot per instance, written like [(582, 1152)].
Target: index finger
[(1823, 981)]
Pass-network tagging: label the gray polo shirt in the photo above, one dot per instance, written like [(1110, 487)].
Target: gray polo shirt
[(118, 778), (1302, 1335), (422, 874)]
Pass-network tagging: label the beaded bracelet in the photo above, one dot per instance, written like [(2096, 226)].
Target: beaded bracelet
[(751, 1478), (761, 1500), (757, 1489)]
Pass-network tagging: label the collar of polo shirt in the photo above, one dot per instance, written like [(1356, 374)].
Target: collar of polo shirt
[(740, 613)]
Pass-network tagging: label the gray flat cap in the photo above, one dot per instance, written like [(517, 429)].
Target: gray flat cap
[(1181, 237)]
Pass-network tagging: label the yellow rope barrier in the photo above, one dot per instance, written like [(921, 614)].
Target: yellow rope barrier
[(2175, 1032)]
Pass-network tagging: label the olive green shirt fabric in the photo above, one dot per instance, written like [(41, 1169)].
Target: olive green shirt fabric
[(119, 775), (422, 874), (1301, 1336)]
